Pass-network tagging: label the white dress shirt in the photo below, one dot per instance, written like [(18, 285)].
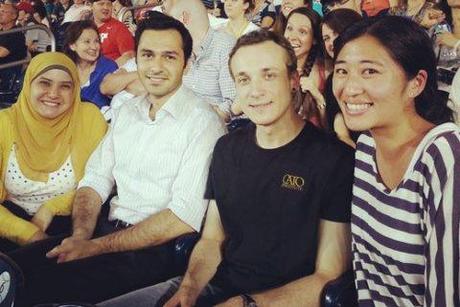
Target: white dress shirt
[(156, 164)]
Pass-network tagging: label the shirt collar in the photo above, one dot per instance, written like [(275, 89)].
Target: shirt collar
[(173, 106)]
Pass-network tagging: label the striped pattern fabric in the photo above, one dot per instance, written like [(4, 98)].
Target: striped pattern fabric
[(406, 240), (156, 164), (209, 76)]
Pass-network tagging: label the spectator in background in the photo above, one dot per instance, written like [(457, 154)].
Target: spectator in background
[(37, 40), (49, 6), (46, 138), (78, 11), (40, 14), (263, 14), (208, 75), (371, 8), (123, 14), (237, 23), (82, 45), (448, 37), (286, 7), (330, 5), (117, 43), (12, 46), (60, 8), (334, 23), (25, 13), (420, 11), (303, 33)]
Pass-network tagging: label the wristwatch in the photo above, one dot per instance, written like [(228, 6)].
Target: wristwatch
[(248, 301)]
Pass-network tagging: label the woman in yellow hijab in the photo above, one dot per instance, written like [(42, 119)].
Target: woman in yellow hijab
[(46, 137)]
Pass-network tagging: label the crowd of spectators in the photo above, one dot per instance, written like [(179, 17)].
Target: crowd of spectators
[(300, 138)]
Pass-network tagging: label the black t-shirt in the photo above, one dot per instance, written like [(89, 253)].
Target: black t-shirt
[(270, 202), (16, 45)]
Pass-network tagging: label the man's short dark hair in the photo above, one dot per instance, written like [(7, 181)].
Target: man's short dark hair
[(158, 21), (261, 36)]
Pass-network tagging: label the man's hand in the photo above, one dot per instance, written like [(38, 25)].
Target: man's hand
[(43, 218), (232, 302), (185, 297), (432, 17), (447, 39), (73, 249), (38, 236)]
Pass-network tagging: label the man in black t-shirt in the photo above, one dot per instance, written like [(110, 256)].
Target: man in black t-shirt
[(12, 46), (277, 228)]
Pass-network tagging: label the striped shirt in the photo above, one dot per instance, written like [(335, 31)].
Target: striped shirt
[(406, 241), (209, 77)]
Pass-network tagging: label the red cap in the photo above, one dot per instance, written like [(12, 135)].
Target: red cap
[(26, 7)]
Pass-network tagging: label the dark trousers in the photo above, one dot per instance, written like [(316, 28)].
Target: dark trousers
[(60, 225), (91, 279)]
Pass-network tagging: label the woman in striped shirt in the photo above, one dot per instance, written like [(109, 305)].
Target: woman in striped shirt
[(406, 196)]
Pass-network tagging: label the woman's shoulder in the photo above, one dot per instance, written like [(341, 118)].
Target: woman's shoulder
[(439, 150)]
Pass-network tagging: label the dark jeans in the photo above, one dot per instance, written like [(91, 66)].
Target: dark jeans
[(91, 279), (158, 295), (60, 225)]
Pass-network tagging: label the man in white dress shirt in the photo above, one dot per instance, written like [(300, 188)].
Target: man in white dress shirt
[(157, 153)]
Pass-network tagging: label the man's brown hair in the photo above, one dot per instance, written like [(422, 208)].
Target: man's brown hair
[(261, 36)]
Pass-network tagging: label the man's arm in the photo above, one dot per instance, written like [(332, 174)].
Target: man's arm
[(333, 259), (116, 82), (205, 258), (94, 189), (155, 230), (125, 57), (4, 52), (86, 209)]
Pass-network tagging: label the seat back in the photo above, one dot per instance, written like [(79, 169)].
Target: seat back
[(340, 292), (11, 279)]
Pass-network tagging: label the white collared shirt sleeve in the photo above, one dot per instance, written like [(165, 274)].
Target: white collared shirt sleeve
[(98, 171), (188, 202)]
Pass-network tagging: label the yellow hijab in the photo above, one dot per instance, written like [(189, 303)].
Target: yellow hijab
[(43, 145)]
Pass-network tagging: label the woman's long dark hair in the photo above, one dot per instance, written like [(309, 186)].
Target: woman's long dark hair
[(410, 46)]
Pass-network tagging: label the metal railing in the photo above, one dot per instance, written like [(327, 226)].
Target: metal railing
[(24, 29)]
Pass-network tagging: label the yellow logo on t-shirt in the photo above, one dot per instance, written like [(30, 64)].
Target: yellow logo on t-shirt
[(293, 182)]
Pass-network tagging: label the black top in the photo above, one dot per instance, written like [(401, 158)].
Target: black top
[(270, 202), (16, 45)]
